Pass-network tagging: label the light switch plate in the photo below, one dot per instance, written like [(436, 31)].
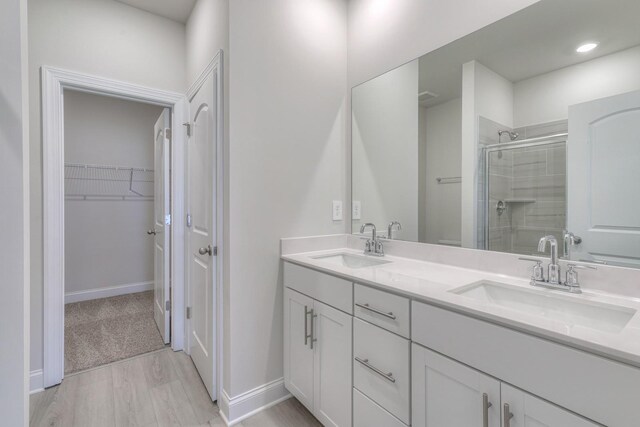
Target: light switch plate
[(356, 210), (337, 210)]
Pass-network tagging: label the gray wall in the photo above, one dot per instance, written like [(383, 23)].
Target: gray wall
[(106, 243), (287, 86), (104, 38), (14, 225)]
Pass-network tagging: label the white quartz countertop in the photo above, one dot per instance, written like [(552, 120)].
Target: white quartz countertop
[(432, 282)]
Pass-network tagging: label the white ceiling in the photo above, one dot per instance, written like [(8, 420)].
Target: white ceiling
[(177, 10), (534, 41)]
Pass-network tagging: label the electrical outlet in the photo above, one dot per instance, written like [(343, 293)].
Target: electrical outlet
[(356, 210), (337, 210)]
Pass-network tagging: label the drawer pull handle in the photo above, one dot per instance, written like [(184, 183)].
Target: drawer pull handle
[(365, 363), (390, 314), (485, 409), (506, 415)]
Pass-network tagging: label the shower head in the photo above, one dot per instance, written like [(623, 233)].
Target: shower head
[(512, 135)]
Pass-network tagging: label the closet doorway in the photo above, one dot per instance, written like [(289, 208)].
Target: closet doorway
[(117, 240), (111, 163)]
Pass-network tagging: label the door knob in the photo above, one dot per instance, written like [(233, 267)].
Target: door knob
[(152, 231), (207, 250)]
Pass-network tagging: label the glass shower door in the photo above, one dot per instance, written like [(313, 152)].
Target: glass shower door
[(525, 194)]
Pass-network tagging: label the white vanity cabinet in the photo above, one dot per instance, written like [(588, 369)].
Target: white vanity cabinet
[(448, 393), (527, 410), (318, 354)]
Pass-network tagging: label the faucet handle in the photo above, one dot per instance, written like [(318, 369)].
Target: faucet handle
[(538, 272)]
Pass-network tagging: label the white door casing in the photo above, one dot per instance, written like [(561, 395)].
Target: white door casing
[(54, 82), (603, 201), (161, 228), (202, 264)]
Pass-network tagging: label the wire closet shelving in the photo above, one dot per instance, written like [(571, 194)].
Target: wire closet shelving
[(102, 182)]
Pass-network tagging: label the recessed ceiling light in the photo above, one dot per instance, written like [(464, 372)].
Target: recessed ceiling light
[(587, 47)]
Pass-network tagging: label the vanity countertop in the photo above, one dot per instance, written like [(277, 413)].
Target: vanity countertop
[(432, 282)]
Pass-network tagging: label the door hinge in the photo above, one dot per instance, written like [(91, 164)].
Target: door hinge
[(215, 251), (188, 126), (167, 305), (167, 219), (167, 133), (188, 312), (188, 220)]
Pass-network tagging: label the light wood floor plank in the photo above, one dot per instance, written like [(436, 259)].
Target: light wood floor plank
[(93, 404), (156, 389), (289, 413), (132, 397), (203, 407), (172, 406), (158, 368)]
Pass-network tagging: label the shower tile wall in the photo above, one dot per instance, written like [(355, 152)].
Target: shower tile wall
[(532, 182)]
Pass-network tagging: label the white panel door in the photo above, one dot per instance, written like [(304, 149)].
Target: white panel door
[(201, 232), (603, 155), (298, 353), (160, 231), (448, 393), (529, 411), (332, 332)]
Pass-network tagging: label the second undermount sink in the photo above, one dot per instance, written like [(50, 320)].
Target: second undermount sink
[(351, 260), (570, 311)]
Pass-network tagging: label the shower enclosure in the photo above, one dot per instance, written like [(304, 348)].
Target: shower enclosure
[(524, 193)]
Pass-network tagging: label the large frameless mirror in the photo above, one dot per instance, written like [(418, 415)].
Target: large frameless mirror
[(526, 128)]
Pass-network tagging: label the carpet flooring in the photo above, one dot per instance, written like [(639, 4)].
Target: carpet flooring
[(105, 330)]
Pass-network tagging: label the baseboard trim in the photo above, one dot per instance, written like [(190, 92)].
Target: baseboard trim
[(108, 291), (36, 381), (235, 409)]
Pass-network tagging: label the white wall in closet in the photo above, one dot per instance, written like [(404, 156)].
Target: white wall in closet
[(106, 243)]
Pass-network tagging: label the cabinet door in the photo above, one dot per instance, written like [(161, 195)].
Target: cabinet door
[(530, 411), (448, 393), (298, 354), (332, 365)]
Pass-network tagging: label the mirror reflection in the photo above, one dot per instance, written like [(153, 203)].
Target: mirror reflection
[(510, 134)]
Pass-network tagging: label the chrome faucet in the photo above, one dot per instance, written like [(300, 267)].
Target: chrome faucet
[(373, 246), (390, 229), (553, 269), (553, 280), (569, 239)]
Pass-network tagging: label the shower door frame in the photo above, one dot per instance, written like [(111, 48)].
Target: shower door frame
[(54, 82), (525, 143)]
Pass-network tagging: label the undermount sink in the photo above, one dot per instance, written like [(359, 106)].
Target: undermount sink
[(589, 314), (351, 260)]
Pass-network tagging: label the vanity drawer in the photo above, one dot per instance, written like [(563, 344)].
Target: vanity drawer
[(381, 308), (367, 413), (325, 288), (381, 368)]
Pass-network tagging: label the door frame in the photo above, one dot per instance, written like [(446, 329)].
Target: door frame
[(54, 82), (216, 67)]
